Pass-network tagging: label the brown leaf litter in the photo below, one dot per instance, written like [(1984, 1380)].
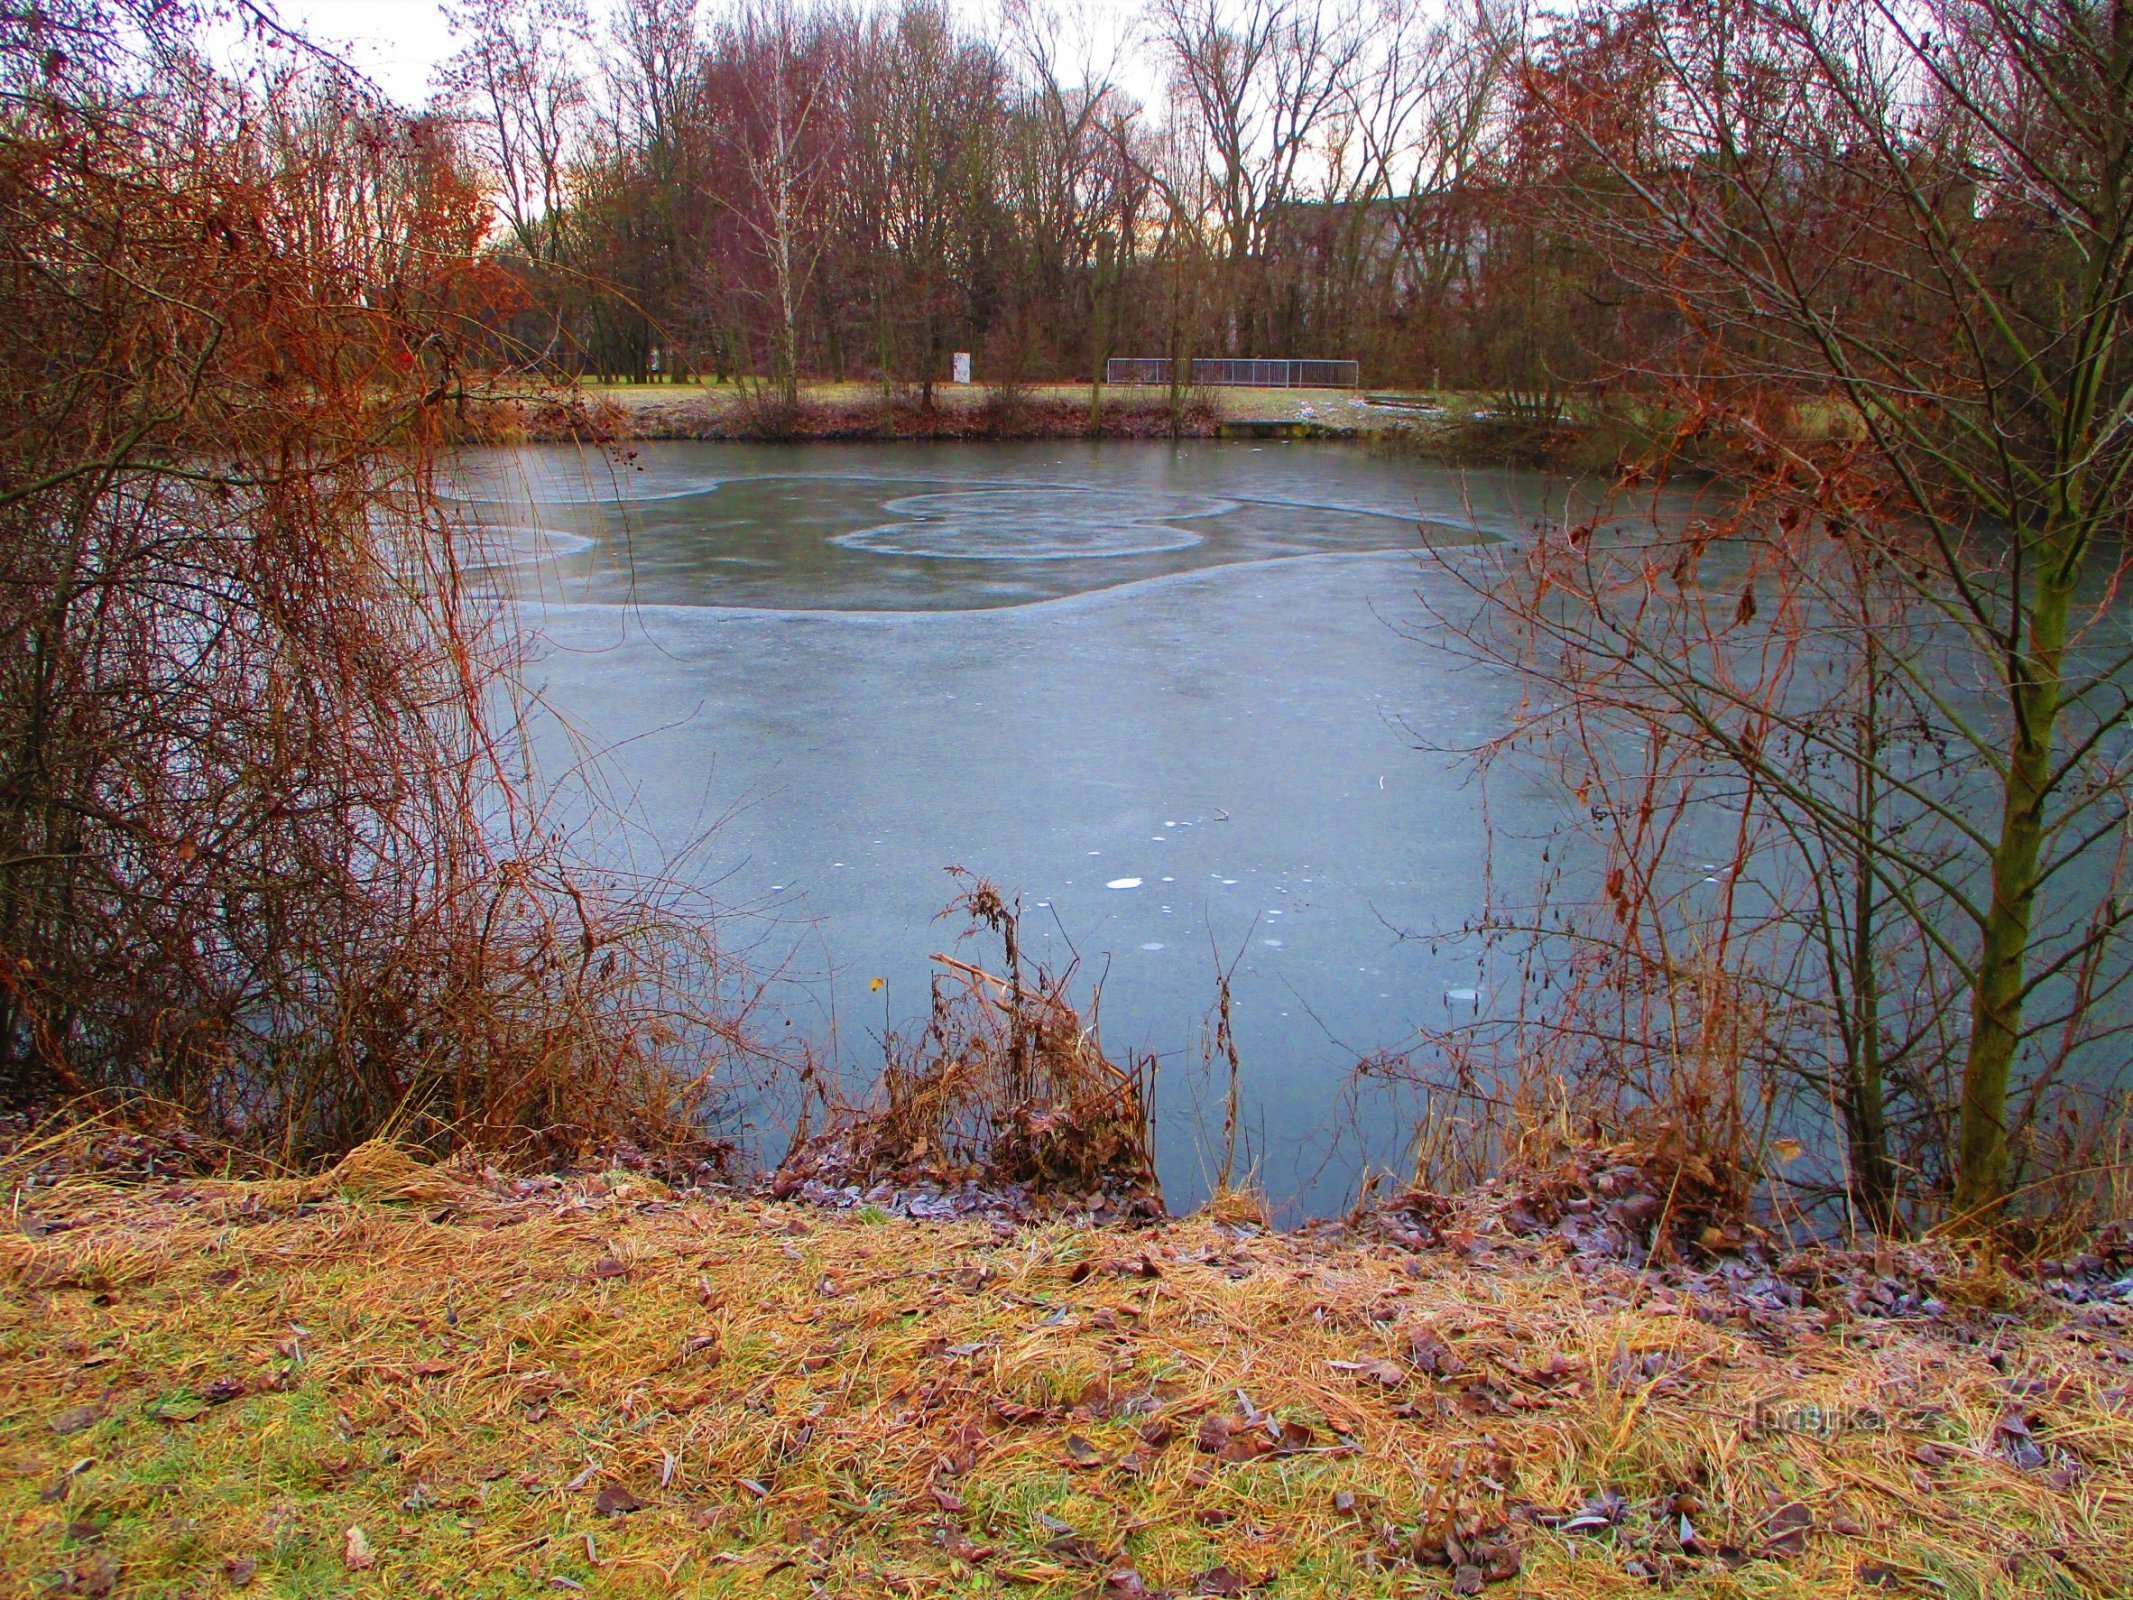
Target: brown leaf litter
[(418, 1381)]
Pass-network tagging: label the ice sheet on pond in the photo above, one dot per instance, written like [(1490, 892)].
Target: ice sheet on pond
[(896, 713)]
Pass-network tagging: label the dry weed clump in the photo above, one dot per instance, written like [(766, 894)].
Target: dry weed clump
[(600, 1387), (552, 414), (1006, 1087)]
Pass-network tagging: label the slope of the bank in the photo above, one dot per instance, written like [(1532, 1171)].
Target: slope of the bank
[(832, 411), (446, 1387)]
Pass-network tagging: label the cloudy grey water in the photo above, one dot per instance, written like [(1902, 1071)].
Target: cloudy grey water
[(1186, 701)]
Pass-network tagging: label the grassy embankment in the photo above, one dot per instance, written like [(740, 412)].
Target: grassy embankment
[(395, 1382), (1455, 428)]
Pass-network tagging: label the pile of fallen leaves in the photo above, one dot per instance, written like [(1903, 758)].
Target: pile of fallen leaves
[(148, 1140), (455, 1383)]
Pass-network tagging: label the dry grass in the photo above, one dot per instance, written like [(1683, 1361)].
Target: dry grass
[(1054, 409), (483, 1380)]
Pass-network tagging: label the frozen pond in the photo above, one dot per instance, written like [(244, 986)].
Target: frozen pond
[(1182, 699)]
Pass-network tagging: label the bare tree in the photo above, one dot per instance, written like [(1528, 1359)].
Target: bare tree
[(1257, 83), (1915, 226), (654, 77), (526, 105), (778, 140), (1068, 175)]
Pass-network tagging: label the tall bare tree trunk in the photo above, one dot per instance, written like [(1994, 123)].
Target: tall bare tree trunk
[(1996, 1001)]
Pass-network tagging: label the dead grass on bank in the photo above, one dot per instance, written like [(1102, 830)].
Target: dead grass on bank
[(834, 413), (540, 1388)]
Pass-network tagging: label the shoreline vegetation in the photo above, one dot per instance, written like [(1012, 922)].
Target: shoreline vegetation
[(1447, 427), (443, 1380), (700, 411), (695, 411)]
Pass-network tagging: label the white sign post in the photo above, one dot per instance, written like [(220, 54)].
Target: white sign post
[(962, 366)]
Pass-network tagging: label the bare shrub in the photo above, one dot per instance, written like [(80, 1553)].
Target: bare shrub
[(259, 852)]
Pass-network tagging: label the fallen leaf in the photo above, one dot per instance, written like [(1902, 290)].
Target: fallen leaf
[(1212, 1434), (1429, 1353), (1786, 1529), (180, 1411), (1081, 1452), (1219, 1581), (356, 1553), (1467, 1580), (616, 1501), (1076, 1549), (953, 1504), (609, 1267), (240, 1570), (2016, 1441), (74, 1419), (1122, 1583), (94, 1576), (1248, 1445), (223, 1390)]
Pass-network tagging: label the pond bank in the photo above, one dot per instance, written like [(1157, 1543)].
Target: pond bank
[(1448, 428), (851, 411), (409, 1380)]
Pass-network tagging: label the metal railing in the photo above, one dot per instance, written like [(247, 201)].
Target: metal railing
[(1225, 372)]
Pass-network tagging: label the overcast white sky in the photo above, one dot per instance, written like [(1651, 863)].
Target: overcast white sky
[(399, 43)]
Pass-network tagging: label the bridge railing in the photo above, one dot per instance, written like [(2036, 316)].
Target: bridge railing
[(1231, 372)]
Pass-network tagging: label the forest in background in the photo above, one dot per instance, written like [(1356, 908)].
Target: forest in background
[(791, 190)]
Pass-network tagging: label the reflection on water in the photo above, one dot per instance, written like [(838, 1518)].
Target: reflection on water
[(1182, 699)]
